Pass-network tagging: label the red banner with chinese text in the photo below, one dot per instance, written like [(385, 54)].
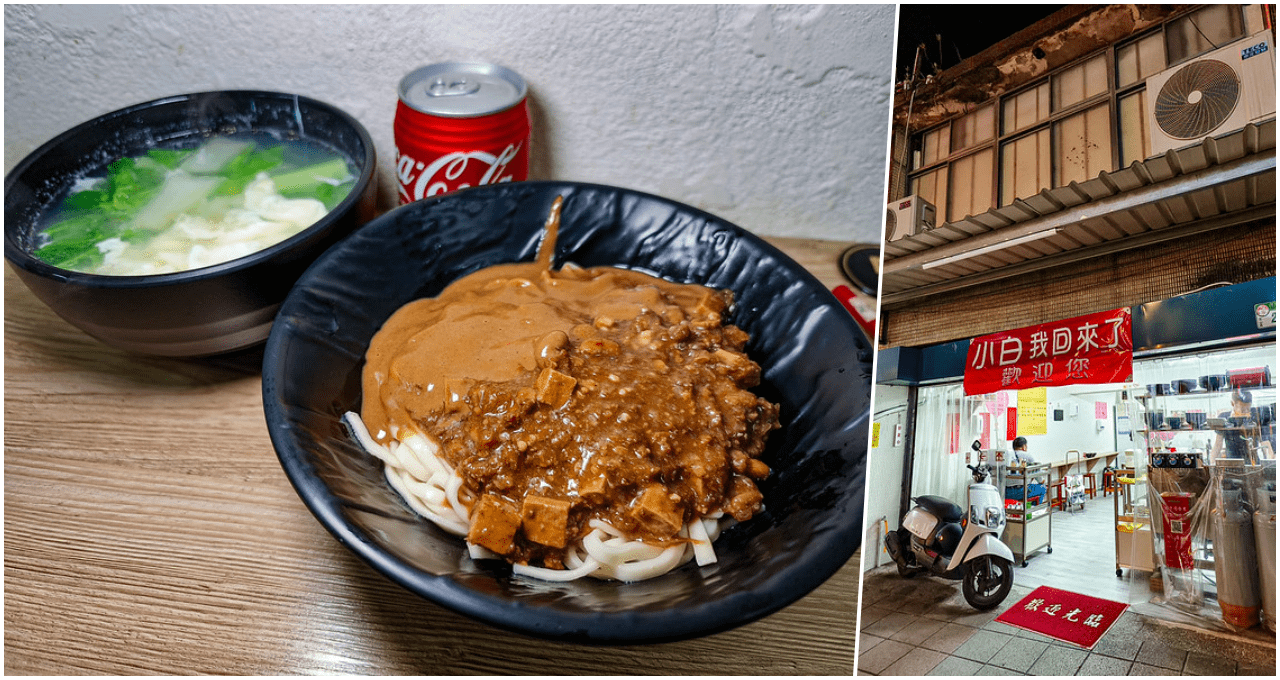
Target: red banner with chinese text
[(1091, 349)]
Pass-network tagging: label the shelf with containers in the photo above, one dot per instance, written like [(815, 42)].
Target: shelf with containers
[(1186, 405), (1204, 443), (1028, 512)]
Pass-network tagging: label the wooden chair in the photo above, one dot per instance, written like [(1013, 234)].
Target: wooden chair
[(1059, 493), (1109, 483), (1090, 478)]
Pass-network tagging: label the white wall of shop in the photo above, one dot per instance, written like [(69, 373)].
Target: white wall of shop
[(774, 117), (1079, 429), (884, 471)]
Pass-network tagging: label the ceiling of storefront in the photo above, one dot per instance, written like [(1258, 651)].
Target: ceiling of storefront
[(1183, 193)]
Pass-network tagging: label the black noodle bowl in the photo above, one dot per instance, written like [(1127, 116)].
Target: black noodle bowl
[(816, 364)]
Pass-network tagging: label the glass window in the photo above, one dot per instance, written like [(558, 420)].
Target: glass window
[(1203, 30), (1135, 145), (973, 129), (1026, 108), (971, 179), (1082, 145), (1206, 394), (1080, 82), (932, 186), (1140, 59), (935, 145), (1024, 166)]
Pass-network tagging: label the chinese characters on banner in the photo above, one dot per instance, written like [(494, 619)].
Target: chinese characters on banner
[(1091, 349)]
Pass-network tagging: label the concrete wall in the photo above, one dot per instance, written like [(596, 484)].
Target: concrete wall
[(774, 118)]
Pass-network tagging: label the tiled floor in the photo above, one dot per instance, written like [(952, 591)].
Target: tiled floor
[(923, 626)]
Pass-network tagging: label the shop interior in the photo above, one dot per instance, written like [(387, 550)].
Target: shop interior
[(1159, 492)]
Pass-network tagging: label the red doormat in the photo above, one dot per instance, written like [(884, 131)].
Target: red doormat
[(1062, 615)]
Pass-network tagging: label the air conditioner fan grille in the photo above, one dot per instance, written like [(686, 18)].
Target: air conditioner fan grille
[(1197, 99)]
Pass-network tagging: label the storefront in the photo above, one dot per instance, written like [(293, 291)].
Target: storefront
[(1157, 420), (1059, 268)]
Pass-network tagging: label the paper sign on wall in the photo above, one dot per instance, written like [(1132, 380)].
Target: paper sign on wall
[(1033, 409)]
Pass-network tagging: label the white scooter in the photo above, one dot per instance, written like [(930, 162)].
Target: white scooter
[(937, 537)]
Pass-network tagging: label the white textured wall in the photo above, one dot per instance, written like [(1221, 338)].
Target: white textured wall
[(774, 118)]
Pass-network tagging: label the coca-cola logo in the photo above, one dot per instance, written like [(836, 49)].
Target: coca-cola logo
[(452, 171)]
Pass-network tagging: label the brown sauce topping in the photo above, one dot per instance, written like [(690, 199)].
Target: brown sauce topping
[(567, 395)]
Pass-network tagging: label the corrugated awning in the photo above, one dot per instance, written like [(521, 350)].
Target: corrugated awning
[(1217, 182)]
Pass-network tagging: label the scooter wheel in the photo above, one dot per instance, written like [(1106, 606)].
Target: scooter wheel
[(987, 581), (907, 572), (898, 551)]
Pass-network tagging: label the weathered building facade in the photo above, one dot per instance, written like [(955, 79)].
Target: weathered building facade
[(1088, 162)]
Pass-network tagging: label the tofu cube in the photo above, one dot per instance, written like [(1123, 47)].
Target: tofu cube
[(546, 521), (494, 523), (594, 488), (658, 511), (554, 388)]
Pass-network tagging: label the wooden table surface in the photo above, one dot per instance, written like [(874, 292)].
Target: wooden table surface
[(149, 529)]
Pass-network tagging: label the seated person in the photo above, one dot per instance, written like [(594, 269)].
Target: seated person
[(1020, 458), (1020, 455)]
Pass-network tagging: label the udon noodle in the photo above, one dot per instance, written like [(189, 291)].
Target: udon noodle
[(431, 487)]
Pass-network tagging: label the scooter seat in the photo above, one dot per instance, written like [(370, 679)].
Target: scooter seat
[(940, 507)]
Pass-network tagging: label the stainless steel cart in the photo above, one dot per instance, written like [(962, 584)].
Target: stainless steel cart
[(1029, 525)]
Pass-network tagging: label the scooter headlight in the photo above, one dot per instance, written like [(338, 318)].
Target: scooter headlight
[(995, 517)]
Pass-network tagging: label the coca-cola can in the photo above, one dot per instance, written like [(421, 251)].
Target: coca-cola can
[(458, 125)]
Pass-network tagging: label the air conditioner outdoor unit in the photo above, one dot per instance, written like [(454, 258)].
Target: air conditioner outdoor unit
[(1213, 94), (909, 216)]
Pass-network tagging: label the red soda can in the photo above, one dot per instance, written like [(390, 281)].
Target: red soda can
[(458, 125)]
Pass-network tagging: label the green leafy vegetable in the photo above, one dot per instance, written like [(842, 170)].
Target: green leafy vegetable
[(245, 167), (307, 178), (95, 215), (169, 158), (74, 241)]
